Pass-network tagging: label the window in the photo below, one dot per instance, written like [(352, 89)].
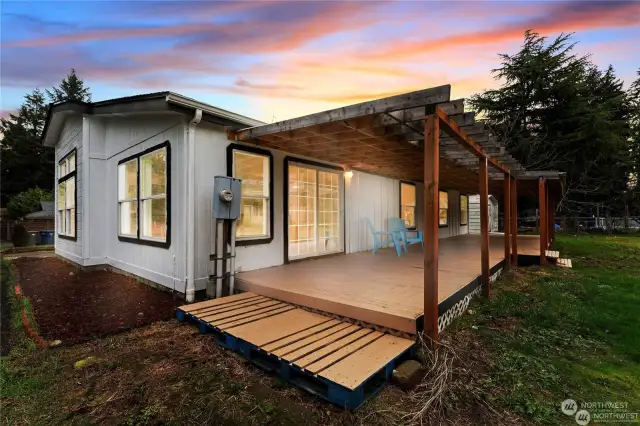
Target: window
[(443, 218), (143, 197), (314, 213), (408, 203), (254, 167), (464, 210), (67, 196)]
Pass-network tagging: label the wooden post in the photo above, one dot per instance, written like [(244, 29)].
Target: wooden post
[(507, 222), (431, 187), (552, 218), (514, 221), (483, 175), (542, 207)]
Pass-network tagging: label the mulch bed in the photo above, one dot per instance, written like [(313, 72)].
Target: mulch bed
[(72, 306)]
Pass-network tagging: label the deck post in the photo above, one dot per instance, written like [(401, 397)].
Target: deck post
[(507, 222), (542, 226), (431, 187), (552, 218), (483, 175), (514, 221)]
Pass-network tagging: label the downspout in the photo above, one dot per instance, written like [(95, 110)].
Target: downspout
[(190, 173)]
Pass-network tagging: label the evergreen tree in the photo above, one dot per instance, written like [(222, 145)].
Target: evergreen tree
[(70, 89), (556, 110), (25, 162)]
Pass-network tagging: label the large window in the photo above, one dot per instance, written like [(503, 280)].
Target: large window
[(408, 203), (464, 210), (67, 196), (143, 197), (443, 217), (314, 211), (254, 167)]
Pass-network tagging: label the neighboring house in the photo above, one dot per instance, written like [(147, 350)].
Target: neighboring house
[(474, 214), (135, 180)]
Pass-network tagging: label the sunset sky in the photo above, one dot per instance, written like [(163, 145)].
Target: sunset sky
[(274, 60)]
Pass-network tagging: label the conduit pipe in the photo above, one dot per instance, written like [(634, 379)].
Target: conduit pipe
[(190, 175)]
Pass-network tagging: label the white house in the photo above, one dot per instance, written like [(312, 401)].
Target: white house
[(135, 181)]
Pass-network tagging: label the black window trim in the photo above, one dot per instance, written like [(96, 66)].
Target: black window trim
[(460, 208), (62, 179), (446, 192), (138, 240), (406, 182), (258, 151)]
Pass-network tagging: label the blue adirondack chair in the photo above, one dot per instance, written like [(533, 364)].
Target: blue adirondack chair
[(384, 238), (399, 226)]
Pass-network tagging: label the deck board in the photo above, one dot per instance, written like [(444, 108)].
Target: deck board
[(381, 289)]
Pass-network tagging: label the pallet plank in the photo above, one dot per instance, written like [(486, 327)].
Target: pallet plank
[(279, 326), (355, 369), (242, 311), (215, 302), (288, 340), (327, 360)]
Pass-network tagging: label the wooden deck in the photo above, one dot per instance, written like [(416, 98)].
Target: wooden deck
[(381, 289), (317, 347)]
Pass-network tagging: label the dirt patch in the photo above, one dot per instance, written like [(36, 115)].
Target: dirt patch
[(73, 306)]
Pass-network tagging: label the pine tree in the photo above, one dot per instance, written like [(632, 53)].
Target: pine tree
[(70, 89), (556, 110), (25, 162)]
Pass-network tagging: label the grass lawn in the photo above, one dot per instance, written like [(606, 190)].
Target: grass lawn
[(551, 334), (546, 335)]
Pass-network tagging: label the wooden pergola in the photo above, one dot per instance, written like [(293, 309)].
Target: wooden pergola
[(421, 136)]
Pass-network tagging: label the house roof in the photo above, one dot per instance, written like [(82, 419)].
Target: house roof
[(160, 102), (386, 136)]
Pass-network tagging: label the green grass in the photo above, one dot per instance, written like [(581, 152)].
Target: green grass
[(554, 334)]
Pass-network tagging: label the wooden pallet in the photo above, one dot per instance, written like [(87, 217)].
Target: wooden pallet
[(564, 263), (552, 254), (341, 362)]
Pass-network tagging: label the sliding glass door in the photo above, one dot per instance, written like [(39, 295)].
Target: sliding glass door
[(315, 218)]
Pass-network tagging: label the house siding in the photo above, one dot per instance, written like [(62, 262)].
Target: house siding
[(453, 227), (125, 137), (71, 138)]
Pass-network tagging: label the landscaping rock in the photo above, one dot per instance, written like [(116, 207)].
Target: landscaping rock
[(408, 374)]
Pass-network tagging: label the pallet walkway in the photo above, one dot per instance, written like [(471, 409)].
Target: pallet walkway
[(341, 362)]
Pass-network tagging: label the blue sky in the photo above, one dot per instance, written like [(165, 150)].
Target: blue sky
[(279, 59)]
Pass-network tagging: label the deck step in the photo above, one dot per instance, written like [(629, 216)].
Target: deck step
[(340, 362), (564, 263)]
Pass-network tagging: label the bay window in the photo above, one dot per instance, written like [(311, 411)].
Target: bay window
[(144, 197), (66, 216)]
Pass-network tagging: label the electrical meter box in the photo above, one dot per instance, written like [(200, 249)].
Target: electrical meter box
[(227, 193)]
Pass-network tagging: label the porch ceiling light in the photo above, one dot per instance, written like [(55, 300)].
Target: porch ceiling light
[(348, 173)]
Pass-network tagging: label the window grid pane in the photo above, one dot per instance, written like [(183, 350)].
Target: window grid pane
[(408, 204), (154, 218), (153, 174), (254, 170), (128, 218), (128, 181)]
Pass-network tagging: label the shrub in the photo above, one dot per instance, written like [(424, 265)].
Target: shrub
[(28, 201), (20, 236)]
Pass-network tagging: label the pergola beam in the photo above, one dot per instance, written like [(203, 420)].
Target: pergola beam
[(418, 98)]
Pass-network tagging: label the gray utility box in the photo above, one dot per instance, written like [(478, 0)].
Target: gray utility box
[(227, 193)]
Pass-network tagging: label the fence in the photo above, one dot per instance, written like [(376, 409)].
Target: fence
[(576, 224), (31, 225)]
